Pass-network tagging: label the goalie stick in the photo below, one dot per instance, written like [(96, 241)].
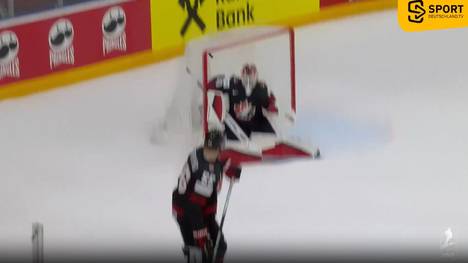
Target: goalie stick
[(236, 129)]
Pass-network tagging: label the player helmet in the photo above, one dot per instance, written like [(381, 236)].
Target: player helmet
[(249, 75), (214, 139)]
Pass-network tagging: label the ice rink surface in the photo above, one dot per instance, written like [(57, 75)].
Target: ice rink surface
[(387, 108)]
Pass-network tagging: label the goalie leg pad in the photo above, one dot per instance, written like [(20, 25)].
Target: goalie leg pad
[(216, 109)]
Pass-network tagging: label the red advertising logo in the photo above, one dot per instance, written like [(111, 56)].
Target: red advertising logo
[(61, 43), (9, 48), (113, 29), (71, 40)]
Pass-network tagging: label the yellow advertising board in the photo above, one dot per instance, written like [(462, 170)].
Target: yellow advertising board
[(176, 21)]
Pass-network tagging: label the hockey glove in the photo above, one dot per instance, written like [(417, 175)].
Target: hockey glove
[(272, 104), (244, 111), (234, 173)]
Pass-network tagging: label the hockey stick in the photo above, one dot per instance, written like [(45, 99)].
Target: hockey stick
[(235, 128), (218, 238)]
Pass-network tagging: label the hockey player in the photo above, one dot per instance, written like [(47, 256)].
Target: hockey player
[(248, 99), (194, 200)]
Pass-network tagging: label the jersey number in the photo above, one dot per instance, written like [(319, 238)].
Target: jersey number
[(204, 186)]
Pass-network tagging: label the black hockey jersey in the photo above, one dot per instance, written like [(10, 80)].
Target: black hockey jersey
[(259, 98), (199, 183)]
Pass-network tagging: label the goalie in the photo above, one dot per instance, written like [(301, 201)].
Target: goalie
[(249, 101)]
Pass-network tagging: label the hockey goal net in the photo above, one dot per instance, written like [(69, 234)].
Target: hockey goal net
[(271, 49)]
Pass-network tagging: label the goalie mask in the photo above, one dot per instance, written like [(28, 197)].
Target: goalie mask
[(249, 76)]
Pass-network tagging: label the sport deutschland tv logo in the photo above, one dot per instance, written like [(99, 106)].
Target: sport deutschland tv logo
[(416, 8), (419, 15)]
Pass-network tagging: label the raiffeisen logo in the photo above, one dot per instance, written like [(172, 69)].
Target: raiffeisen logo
[(192, 15), (419, 15)]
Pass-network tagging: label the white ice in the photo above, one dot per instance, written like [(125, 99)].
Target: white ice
[(387, 108)]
